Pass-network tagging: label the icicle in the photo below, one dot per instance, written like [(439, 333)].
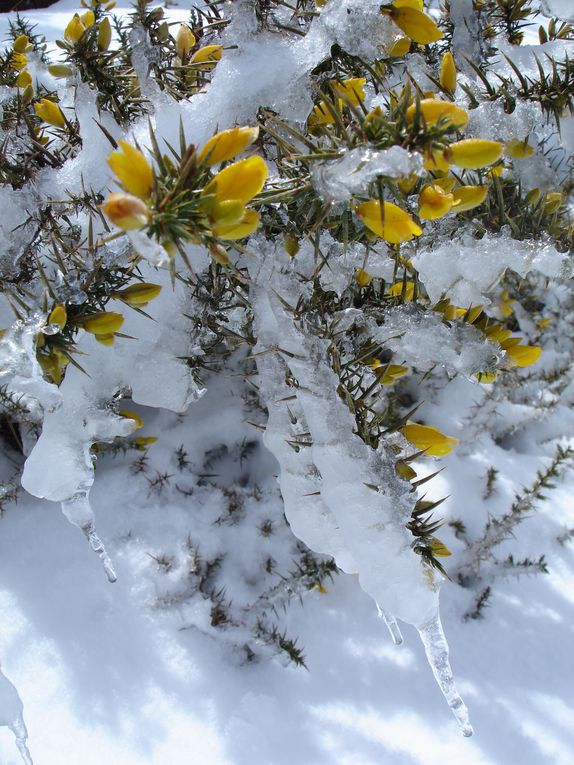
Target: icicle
[(79, 512), (392, 625), (436, 649), (11, 709)]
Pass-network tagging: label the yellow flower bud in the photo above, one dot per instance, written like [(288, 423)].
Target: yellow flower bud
[(103, 323), (107, 340), (388, 374), (291, 245), (415, 24), (227, 144), (49, 112), (246, 226), (242, 180), (434, 202), (209, 54), (54, 363), (473, 153), (104, 34), (533, 196), (447, 76), (184, 41), (21, 44), (428, 439), (126, 211), (142, 441), (60, 70), (553, 202), (132, 169), (88, 19), (405, 471), (469, 197), (362, 277), (523, 355), (219, 254), (389, 222), (138, 294), (433, 110), (58, 316), (24, 79), (353, 90), (400, 47), (519, 149)]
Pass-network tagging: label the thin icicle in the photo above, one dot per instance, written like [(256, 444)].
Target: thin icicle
[(436, 649), (79, 512), (11, 715), (392, 625)]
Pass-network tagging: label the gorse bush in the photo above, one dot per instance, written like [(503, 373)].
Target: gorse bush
[(361, 207)]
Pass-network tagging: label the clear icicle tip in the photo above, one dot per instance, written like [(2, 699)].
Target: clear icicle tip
[(436, 649), (78, 511), (392, 625)]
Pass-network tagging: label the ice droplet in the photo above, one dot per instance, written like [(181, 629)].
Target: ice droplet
[(78, 511), (436, 649), (392, 626), (11, 709)]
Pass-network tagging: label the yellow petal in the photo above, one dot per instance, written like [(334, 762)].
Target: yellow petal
[(24, 79), (242, 180), (398, 288), (60, 70), (400, 47), (103, 323), (519, 149), (49, 112), (469, 197), (184, 41), (434, 202), (74, 30), (428, 439), (138, 294), (553, 202), (362, 277), (126, 211), (227, 212), (416, 25), (104, 34), (132, 170), (209, 54), (390, 222), (129, 415), (245, 227), (433, 110), (352, 90), (227, 144), (474, 153), (18, 61), (523, 355), (58, 316), (21, 44)]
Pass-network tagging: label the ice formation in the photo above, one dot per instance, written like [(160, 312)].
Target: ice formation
[(11, 716)]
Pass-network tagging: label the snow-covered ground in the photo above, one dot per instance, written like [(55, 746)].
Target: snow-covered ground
[(134, 673)]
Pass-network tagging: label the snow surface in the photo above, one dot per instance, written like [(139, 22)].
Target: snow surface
[(134, 673)]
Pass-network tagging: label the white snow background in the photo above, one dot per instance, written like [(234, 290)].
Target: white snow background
[(110, 674)]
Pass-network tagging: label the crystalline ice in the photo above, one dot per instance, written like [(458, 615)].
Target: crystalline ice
[(436, 649), (78, 511), (11, 715), (338, 180)]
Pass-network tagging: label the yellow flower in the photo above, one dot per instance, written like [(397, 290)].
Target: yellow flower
[(22, 44), (75, 29), (59, 316), (445, 183), (138, 294), (227, 144), (49, 112), (447, 77), (126, 211), (390, 223), (469, 197), (18, 61), (142, 441), (400, 47), (533, 196), (415, 24), (24, 79), (433, 110), (352, 90), (523, 355), (129, 415), (519, 149), (103, 325), (104, 34), (322, 114), (496, 171), (209, 54), (54, 363), (428, 439), (474, 153), (505, 304), (398, 288), (226, 212), (407, 183), (242, 180), (132, 170), (247, 225), (184, 41), (439, 549), (434, 202), (436, 163)]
